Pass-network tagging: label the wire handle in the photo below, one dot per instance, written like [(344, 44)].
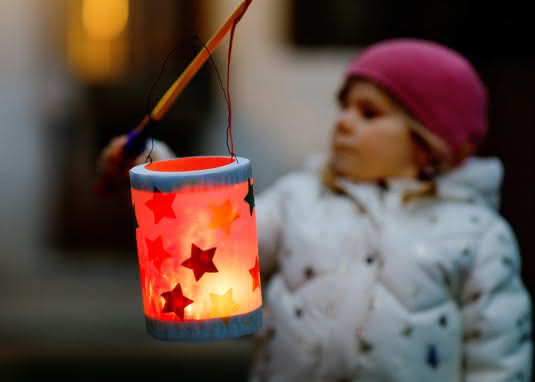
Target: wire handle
[(137, 138)]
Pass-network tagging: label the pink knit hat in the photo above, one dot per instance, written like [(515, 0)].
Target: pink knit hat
[(437, 85)]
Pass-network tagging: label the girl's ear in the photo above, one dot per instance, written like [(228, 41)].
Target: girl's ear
[(422, 155), (423, 159)]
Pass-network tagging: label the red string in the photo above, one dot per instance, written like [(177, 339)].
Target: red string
[(229, 127)]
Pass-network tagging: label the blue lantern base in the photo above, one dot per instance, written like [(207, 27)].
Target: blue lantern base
[(206, 330)]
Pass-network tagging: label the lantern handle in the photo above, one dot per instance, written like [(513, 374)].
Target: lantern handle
[(137, 138)]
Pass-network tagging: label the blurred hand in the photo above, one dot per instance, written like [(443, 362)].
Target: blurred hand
[(113, 166)]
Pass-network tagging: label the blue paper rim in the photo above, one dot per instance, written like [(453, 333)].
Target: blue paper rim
[(205, 330), (144, 179)]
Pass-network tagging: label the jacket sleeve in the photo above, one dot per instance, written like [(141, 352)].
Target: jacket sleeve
[(496, 312), (269, 223)]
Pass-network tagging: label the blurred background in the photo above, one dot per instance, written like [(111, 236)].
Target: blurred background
[(75, 73)]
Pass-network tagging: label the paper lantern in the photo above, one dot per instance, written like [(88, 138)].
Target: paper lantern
[(197, 247)]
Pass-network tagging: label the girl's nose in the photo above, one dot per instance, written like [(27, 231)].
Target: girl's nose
[(346, 122)]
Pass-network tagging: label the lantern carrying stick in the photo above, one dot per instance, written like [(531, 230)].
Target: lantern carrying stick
[(137, 138)]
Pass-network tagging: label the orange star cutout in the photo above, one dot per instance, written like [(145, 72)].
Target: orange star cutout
[(223, 216), (156, 252), (161, 205), (223, 305), (175, 302), (255, 274)]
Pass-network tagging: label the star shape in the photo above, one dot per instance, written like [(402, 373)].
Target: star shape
[(249, 198), (223, 305), (156, 252), (201, 261), (161, 205), (255, 274), (175, 301), (223, 215)]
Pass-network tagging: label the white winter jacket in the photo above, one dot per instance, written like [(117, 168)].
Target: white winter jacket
[(366, 288)]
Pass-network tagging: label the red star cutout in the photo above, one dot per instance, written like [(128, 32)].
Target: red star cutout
[(255, 274), (157, 253), (161, 205), (201, 261), (175, 302)]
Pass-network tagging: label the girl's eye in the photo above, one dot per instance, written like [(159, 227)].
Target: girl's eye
[(369, 112)]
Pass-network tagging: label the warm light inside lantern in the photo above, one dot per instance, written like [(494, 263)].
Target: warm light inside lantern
[(197, 243), (189, 164)]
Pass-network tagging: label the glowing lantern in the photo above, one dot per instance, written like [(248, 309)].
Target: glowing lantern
[(197, 247)]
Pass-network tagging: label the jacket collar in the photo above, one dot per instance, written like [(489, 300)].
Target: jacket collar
[(477, 180)]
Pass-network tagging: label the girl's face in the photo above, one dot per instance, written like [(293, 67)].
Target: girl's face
[(372, 139)]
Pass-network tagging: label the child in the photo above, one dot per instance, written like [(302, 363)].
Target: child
[(392, 263), (388, 261)]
